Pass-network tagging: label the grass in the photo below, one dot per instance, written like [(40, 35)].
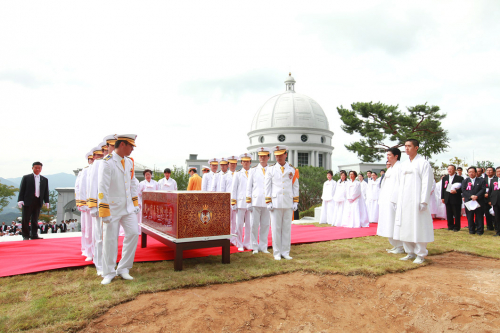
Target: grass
[(68, 299)]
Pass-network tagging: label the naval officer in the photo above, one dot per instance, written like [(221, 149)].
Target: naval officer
[(238, 196), (225, 186), (256, 204), (209, 177), (282, 197), (118, 205), (217, 186)]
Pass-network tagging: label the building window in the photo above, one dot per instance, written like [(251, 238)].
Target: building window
[(281, 138), (303, 137), (261, 139), (322, 139), (303, 159), (320, 160)]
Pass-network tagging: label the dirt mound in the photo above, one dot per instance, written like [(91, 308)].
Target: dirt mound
[(456, 292)]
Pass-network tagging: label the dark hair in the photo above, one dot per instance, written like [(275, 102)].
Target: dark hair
[(414, 142), (330, 172), (490, 167), (146, 171), (367, 171), (167, 170), (460, 168), (454, 167), (355, 173), (38, 163), (374, 172), (360, 174), (475, 170), (117, 143), (395, 151), (382, 171), (497, 168), (343, 172)]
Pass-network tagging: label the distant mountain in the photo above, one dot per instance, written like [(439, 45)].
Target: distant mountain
[(55, 180), (9, 217)]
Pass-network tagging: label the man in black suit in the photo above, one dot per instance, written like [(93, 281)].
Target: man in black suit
[(64, 226), (44, 228), (474, 188), (494, 199), (4, 227), (33, 192), (13, 228), (490, 176), (452, 198)]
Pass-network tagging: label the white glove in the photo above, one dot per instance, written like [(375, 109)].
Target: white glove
[(295, 206), (234, 207), (47, 205), (137, 210), (422, 207), (20, 204), (249, 207), (270, 206), (93, 211), (394, 205), (84, 208), (106, 219), (492, 211)]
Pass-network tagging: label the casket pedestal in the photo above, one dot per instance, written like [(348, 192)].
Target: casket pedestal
[(185, 220)]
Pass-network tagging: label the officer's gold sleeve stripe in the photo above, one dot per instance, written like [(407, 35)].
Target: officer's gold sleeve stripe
[(296, 199), (104, 212), (248, 200), (135, 198), (92, 202), (233, 201), (268, 199), (83, 202)]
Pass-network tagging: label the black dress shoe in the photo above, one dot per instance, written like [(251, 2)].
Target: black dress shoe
[(491, 229), (479, 234), (472, 233), (455, 230), (26, 238), (36, 238)]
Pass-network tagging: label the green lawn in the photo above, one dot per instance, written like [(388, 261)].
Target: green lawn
[(66, 300)]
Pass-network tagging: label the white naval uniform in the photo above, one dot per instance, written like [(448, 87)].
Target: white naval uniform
[(222, 182), (96, 220), (86, 218), (328, 206), (238, 196), (282, 192), (78, 204), (260, 215), (206, 181), (118, 199), (166, 185), (225, 184)]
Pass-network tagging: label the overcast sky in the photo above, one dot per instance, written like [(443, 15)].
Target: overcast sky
[(188, 77)]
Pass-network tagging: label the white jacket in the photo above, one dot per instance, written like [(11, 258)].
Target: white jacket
[(328, 190), (280, 189), (239, 188), (93, 183), (225, 181), (166, 185), (255, 186), (82, 187), (117, 189)]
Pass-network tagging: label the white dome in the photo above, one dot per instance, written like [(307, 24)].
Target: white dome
[(290, 109)]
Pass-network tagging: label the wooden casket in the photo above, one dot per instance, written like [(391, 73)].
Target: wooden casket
[(187, 214)]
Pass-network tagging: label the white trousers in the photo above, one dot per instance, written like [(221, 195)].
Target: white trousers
[(327, 212), (243, 219), (260, 217), (395, 242), (234, 213), (420, 249), (110, 244), (281, 229), (87, 236), (97, 228)]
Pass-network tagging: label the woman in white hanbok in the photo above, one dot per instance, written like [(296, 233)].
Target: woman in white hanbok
[(354, 214), (328, 206), (339, 199), (432, 200), (441, 207), (364, 186), (372, 195)]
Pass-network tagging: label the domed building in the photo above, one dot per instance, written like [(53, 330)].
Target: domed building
[(294, 120)]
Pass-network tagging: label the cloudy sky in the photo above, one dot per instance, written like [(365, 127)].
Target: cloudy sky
[(188, 76)]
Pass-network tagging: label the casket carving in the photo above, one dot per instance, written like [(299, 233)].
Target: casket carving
[(187, 214)]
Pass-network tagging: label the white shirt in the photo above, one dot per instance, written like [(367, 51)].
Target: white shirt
[(167, 185), (472, 180), (37, 185)]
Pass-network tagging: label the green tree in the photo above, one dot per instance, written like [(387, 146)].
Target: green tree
[(484, 164), (6, 192), (457, 162), (384, 126), (53, 202), (178, 174), (311, 181)]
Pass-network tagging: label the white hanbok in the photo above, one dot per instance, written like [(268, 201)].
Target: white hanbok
[(339, 202), (372, 195), (354, 214), (388, 197), (328, 206), (146, 186), (432, 200), (441, 207), (413, 226), (364, 186)]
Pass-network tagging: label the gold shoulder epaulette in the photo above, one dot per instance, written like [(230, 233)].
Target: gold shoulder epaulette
[(255, 166), (291, 165), (218, 171), (86, 166), (108, 157), (272, 164)]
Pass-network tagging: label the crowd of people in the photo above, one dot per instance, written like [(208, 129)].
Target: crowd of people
[(44, 227), (110, 198)]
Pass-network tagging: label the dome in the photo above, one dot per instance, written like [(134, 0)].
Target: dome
[(290, 109)]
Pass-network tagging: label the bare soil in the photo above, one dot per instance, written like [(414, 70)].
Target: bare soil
[(455, 292)]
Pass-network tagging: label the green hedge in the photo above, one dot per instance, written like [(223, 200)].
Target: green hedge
[(308, 212)]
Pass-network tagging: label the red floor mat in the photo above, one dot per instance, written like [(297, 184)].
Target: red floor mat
[(41, 255)]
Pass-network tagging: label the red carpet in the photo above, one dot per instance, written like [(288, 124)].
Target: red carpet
[(41, 255)]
